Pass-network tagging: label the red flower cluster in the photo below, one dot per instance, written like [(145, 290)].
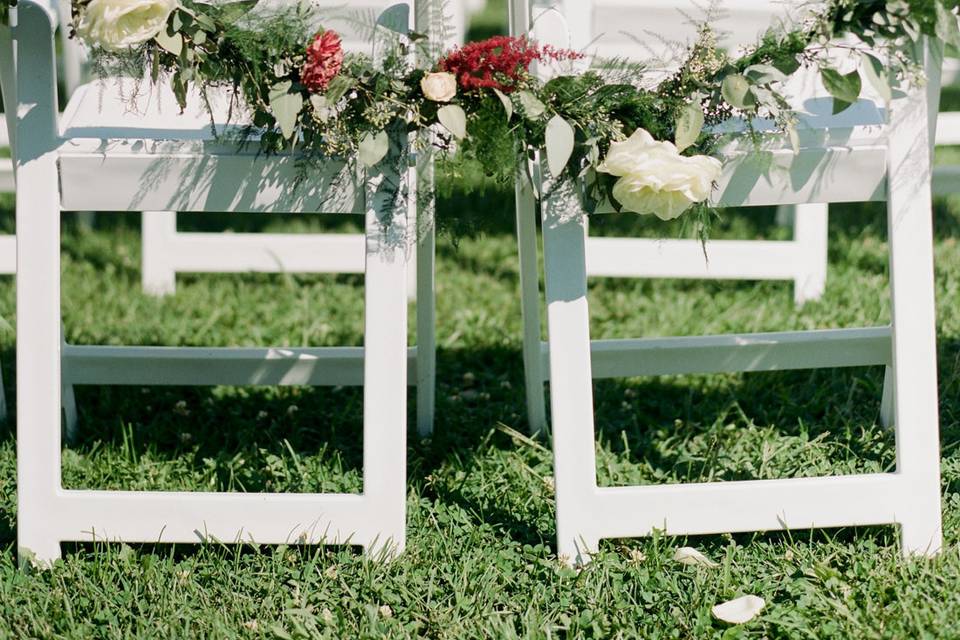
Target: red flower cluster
[(499, 62), (324, 59)]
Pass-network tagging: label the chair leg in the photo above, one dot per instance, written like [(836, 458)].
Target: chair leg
[(158, 274), (69, 401), (910, 224), (786, 215), (887, 405), (810, 232), (571, 377), (426, 303), (385, 364), (38, 352), (526, 211)]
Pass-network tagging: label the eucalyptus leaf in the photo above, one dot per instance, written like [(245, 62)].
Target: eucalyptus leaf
[(173, 44), (285, 107), (560, 140), (205, 22), (507, 103), (689, 125), (844, 87), (764, 74), (786, 64), (373, 148), (736, 91), (454, 120), (532, 107), (877, 75), (321, 107)]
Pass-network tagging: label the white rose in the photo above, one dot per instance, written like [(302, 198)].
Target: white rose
[(118, 24), (439, 87), (655, 178)]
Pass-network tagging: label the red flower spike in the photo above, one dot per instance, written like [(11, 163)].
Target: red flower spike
[(324, 59), (499, 62)]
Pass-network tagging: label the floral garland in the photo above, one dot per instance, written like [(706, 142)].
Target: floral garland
[(644, 148)]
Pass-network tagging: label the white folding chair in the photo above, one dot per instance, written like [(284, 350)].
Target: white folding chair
[(869, 152), (165, 251), (653, 28), (95, 160)]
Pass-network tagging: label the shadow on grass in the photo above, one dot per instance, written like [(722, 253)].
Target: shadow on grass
[(477, 389)]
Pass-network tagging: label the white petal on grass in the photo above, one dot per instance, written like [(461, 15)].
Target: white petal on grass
[(739, 610), (689, 555)]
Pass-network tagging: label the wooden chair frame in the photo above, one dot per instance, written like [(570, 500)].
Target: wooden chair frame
[(57, 172), (858, 162)]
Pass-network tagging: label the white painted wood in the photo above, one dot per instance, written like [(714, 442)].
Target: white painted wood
[(783, 351), (533, 369), (385, 361), (424, 209), (158, 232), (636, 257), (887, 416), (202, 366), (248, 253), (571, 387), (810, 234), (38, 287), (910, 224), (50, 161), (758, 505), (889, 159), (948, 128)]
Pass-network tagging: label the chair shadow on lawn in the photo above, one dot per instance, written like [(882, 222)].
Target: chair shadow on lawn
[(204, 432)]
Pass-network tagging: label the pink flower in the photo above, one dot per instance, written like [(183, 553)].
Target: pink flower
[(324, 59)]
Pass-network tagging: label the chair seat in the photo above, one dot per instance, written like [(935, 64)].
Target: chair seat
[(124, 153)]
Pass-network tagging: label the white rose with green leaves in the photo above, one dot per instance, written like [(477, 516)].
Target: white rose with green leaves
[(439, 87), (655, 178), (120, 24)]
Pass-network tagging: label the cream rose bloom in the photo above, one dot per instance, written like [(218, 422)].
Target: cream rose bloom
[(118, 24), (439, 87), (655, 178)]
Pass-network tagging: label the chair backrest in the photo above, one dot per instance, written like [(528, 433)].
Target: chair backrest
[(357, 27), (647, 29)]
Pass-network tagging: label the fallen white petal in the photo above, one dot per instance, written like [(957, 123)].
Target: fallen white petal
[(689, 555), (739, 610)]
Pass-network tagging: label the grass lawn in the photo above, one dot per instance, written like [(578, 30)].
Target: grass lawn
[(480, 559)]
